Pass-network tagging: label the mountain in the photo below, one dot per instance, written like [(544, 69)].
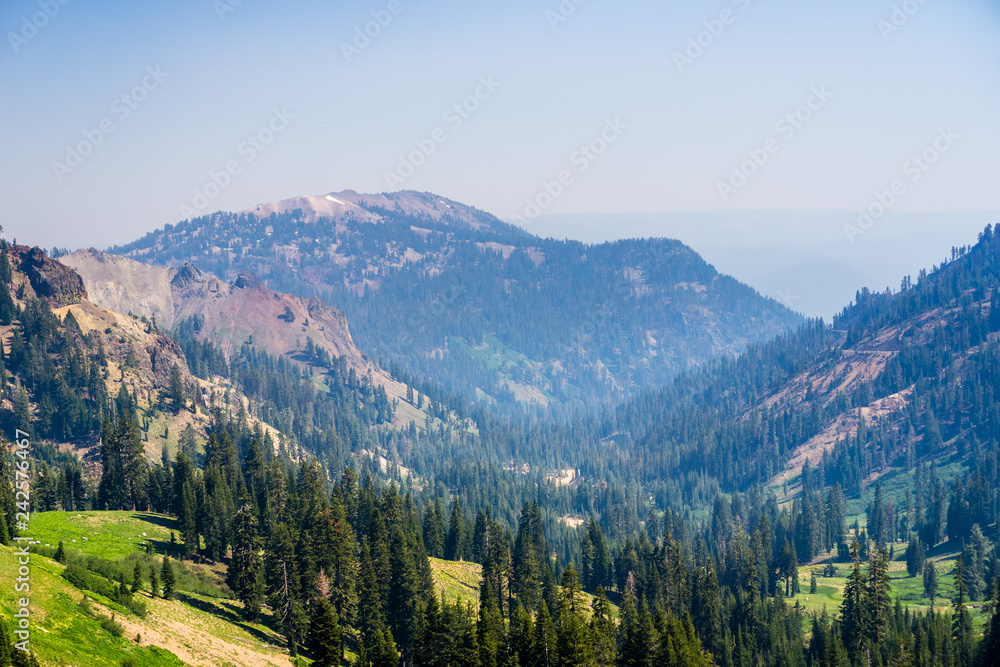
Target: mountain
[(230, 315), (70, 359), (903, 383), (711, 500), (451, 293)]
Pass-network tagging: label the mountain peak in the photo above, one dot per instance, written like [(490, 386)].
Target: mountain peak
[(351, 206)]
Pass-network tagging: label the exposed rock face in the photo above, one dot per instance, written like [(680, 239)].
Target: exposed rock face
[(57, 283), (232, 314), (247, 280), (186, 275)]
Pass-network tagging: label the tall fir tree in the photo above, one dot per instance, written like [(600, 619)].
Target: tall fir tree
[(168, 578), (324, 635), (246, 567)]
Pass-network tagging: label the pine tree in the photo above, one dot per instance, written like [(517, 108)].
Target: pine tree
[(788, 565), (961, 621), (282, 581), (167, 575), (456, 533), (8, 310), (246, 567), (877, 598), (176, 389), (706, 603), (930, 581), (154, 582), (995, 311), (602, 630), (915, 556), (989, 648), (5, 269), (324, 635), (137, 577), (530, 558), (573, 637), (544, 641), (379, 651), (639, 640), (60, 554), (434, 530), (853, 611), (489, 627)]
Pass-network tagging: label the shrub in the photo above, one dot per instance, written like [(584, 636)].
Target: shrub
[(112, 626)]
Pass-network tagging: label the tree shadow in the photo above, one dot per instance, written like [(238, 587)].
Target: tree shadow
[(157, 520), (229, 615)]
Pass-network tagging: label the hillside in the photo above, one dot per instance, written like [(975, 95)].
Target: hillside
[(92, 355), (194, 629), (70, 363), (902, 385), (701, 508), (452, 294), (231, 315)]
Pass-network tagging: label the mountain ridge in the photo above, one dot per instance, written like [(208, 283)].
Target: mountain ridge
[(493, 313)]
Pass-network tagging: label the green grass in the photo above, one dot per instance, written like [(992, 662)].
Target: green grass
[(909, 590), (197, 627), (60, 633), (460, 581), (109, 535)]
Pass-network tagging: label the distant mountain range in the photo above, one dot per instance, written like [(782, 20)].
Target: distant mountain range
[(447, 292)]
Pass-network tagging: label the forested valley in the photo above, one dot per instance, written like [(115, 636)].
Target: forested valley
[(829, 497)]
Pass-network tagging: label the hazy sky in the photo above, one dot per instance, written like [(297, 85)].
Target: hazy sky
[(183, 85)]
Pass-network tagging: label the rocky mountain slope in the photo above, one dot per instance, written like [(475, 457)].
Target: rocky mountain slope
[(230, 315), (94, 353), (451, 293), (903, 379)]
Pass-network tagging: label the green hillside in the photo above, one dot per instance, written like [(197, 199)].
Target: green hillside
[(193, 629)]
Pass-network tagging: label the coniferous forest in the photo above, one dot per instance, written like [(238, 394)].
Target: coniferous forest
[(827, 498)]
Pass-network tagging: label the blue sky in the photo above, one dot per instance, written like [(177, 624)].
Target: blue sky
[(346, 122)]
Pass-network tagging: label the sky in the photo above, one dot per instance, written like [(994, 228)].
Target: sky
[(812, 262), (120, 117)]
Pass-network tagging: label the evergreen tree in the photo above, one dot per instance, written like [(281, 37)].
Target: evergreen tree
[(489, 627), (324, 635), (456, 533), (573, 637), (154, 582), (246, 567), (8, 310), (853, 610), (379, 651), (788, 566), (915, 556), (602, 630), (137, 577), (176, 389), (167, 575), (930, 581), (188, 516), (639, 640), (877, 600), (544, 641), (434, 530), (530, 559), (989, 648), (961, 621)]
